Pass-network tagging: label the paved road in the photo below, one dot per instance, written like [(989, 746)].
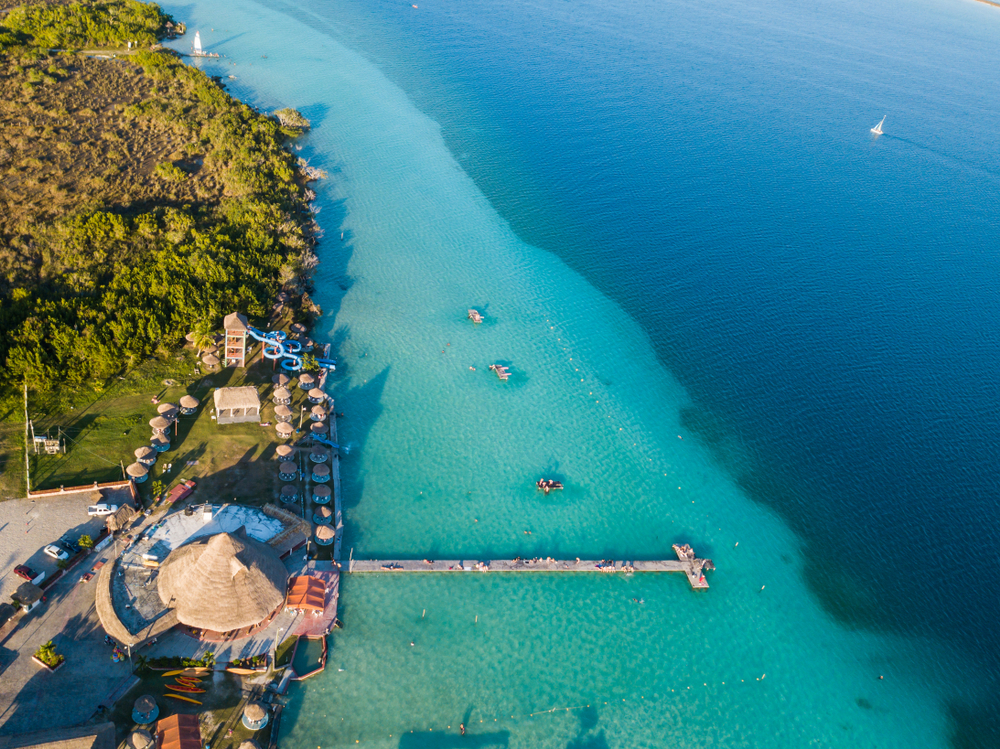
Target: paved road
[(27, 526)]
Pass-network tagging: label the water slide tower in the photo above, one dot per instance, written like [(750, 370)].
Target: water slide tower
[(236, 340)]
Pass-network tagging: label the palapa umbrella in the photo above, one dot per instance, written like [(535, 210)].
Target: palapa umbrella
[(139, 740), (283, 451), (322, 515), (254, 716), (317, 394), (318, 413), (306, 381), (190, 337), (210, 360), (288, 467), (283, 412), (319, 429), (189, 401), (284, 429), (249, 744), (281, 393), (289, 492), (164, 407), (160, 423), (160, 443), (280, 380), (322, 493), (136, 470), (298, 328), (145, 453), (319, 454), (325, 535), (321, 470)]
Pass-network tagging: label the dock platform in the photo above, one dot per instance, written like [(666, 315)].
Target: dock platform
[(475, 316), (686, 563), (502, 372)]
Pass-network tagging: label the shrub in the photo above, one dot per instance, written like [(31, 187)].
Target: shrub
[(47, 654), (85, 542)]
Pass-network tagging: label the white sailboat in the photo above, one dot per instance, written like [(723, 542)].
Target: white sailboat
[(196, 47), (878, 128)]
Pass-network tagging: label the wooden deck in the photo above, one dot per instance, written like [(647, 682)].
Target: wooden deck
[(692, 570), (321, 625), (502, 372), (475, 316)]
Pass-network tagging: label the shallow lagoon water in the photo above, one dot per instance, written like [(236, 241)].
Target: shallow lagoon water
[(443, 458)]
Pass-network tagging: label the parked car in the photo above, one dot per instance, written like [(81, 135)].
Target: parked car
[(68, 545), (22, 570), (102, 509), (55, 552)]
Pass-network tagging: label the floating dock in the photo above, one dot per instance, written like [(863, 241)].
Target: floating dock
[(475, 316), (502, 372), (686, 563)]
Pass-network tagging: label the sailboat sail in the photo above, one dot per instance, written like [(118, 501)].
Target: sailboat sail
[(197, 43), (878, 128)]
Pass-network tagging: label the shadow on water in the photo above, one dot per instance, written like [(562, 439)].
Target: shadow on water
[(588, 737), (434, 740)]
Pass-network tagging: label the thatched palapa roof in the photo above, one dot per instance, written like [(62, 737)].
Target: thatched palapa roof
[(323, 512), (282, 411), (136, 470), (320, 469), (325, 532), (319, 428), (323, 490), (317, 393), (241, 397), (225, 582), (284, 429), (281, 380), (283, 451), (282, 392), (159, 440), (235, 321), (189, 401), (163, 408), (289, 491), (249, 744), (255, 712), (288, 467), (144, 704), (210, 359), (139, 739), (160, 422), (306, 379), (319, 411), (297, 328), (145, 453)]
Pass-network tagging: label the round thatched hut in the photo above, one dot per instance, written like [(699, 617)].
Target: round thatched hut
[(316, 396), (160, 443), (254, 716), (283, 413), (165, 408), (222, 583), (160, 424), (325, 535), (318, 413), (189, 404), (288, 471), (284, 451), (281, 380), (284, 430), (289, 493), (319, 454), (322, 515), (319, 429), (282, 396), (321, 473), (297, 328), (146, 455), (144, 711), (249, 744), (306, 381), (191, 337), (137, 472), (139, 740), (210, 360), (321, 494)]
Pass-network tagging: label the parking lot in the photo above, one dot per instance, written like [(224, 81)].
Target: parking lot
[(27, 526)]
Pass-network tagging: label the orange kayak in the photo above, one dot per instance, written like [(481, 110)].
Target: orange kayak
[(184, 688), (179, 697)]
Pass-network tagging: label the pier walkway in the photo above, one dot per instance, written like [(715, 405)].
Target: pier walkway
[(686, 563)]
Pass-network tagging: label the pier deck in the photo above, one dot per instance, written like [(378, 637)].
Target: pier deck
[(692, 570)]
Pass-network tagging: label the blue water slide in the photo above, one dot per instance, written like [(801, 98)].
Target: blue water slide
[(277, 346), (325, 441)]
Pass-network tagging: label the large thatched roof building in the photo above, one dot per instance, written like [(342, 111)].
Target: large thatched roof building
[(222, 583), (237, 405), (100, 736)]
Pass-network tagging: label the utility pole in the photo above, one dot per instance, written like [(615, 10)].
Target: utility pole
[(27, 424)]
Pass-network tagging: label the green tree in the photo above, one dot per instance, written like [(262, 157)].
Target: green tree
[(85, 542), (309, 362)]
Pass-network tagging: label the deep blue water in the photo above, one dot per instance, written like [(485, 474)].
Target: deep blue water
[(828, 298)]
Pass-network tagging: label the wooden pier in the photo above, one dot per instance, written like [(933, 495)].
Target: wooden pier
[(502, 372), (686, 563), (475, 316)]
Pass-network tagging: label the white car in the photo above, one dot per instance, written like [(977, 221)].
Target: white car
[(102, 510), (55, 552)]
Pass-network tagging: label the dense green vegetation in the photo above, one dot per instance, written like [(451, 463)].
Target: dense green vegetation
[(112, 23), (88, 294)]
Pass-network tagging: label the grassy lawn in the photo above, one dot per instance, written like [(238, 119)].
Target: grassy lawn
[(283, 653), (103, 429)]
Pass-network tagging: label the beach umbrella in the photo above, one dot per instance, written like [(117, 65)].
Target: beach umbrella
[(283, 451), (306, 381), (254, 716), (283, 412), (284, 429), (288, 467), (322, 515), (319, 429), (160, 443), (321, 493), (210, 360), (325, 535), (280, 380), (298, 328), (282, 394), (160, 423), (289, 493), (136, 470), (319, 454)]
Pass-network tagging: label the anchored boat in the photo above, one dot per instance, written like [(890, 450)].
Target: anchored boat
[(878, 128)]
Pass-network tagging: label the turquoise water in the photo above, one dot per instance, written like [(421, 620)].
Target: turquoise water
[(667, 290)]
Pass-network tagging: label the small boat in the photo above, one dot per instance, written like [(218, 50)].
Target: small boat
[(878, 128), (186, 699), (547, 485), (475, 316), (193, 671), (188, 681), (502, 372), (183, 688), (197, 50)]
